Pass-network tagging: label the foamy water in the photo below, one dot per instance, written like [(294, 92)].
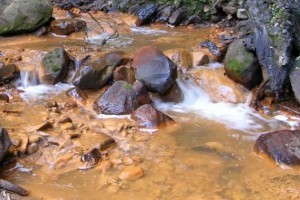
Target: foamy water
[(234, 116), (147, 31)]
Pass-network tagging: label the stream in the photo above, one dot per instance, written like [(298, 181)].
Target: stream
[(208, 154)]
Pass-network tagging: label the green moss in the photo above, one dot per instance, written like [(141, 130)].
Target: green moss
[(235, 65), (127, 86), (55, 68)]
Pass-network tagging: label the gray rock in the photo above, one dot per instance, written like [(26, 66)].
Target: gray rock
[(295, 80), (273, 45), (241, 65), (119, 99), (156, 71), (17, 16), (95, 74), (5, 143), (54, 67), (242, 13), (145, 13), (177, 17)]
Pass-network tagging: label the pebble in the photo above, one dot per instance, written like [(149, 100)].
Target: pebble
[(34, 138), (131, 173), (32, 148)]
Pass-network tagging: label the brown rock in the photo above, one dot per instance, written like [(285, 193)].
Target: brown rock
[(174, 94), (124, 73), (4, 98), (64, 119), (32, 148), (281, 146), (199, 58), (67, 26), (147, 116), (181, 57), (141, 92), (132, 173)]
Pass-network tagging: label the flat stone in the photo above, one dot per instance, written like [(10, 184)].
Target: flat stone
[(132, 173)]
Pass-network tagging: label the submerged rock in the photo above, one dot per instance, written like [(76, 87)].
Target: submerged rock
[(173, 94), (242, 66), (281, 146), (132, 173), (119, 99), (17, 16), (54, 67), (295, 80), (67, 26), (157, 72), (95, 74), (147, 116)]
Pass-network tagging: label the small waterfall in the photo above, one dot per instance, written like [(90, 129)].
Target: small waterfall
[(28, 78)]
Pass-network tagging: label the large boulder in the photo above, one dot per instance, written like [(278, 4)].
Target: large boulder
[(119, 99), (147, 116), (5, 143), (18, 16), (96, 73), (54, 67), (281, 146), (274, 37), (67, 26), (295, 80), (241, 65), (157, 72)]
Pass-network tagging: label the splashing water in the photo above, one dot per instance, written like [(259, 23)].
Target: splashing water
[(197, 103)]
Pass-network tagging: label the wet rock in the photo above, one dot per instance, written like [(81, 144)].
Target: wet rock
[(54, 67), (157, 72), (199, 58), (96, 140), (241, 65), (67, 126), (141, 93), (105, 165), (274, 37), (177, 17), (173, 94), (294, 78), (145, 13), (132, 173), (181, 57), (124, 73), (119, 99), (90, 158), (34, 138), (164, 14), (32, 148), (64, 119), (43, 126), (8, 73), (242, 14), (5, 143), (147, 116), (18, 16), (212, 47), (67, 26), (216, 148), (24, 143), (281, 146), (194, 19), (78, 94), (4, 98), (95, 74)]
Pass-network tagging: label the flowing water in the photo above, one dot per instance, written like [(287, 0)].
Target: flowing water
[(207, 156)]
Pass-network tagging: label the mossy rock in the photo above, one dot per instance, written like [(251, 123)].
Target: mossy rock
[(18, 16), (54, 67), (294, 79), (242, 66)]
